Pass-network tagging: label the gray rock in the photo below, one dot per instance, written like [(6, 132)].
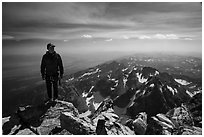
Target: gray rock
[(163, 118), (10, 124), (37, 119), (140, 124), (76, 125), (192, 131), (180, 116)]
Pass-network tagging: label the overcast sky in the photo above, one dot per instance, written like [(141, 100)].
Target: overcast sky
[(83, 27)]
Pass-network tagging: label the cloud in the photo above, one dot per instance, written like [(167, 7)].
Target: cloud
[(86, 36), (7, 37), (159, 36), (188, 39), (166, 36), (125, 37), (109, 40), (144, 37), (171, 36), (65, 40)]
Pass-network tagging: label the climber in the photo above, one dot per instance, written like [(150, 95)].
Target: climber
[(51, 67)]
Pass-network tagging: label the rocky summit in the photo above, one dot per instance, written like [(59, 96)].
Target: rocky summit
[(116, 98), (62, 118)]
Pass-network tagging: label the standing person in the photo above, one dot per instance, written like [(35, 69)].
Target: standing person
[(51, 65)]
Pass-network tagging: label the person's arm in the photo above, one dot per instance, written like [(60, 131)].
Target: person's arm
[(61, 68), (42, 67)]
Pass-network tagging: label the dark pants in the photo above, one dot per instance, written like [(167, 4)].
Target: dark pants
[(52, 84)]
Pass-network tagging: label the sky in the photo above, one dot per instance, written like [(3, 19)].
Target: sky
[(101, 27)]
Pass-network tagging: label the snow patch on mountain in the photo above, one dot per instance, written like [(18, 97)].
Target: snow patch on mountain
[(133, 98), (116, 83), (90, 73), (156, 73), (182, 82), (189, 93), (113, 79), (91, 88), (140, 78), (85, 114), (124, 81), (70, 79), (84, 95), (172, 90), (196, 92), (163, 124), (96, 105), (192, 86), (124, 69), (88, 100), (152, 85), (175, 90)]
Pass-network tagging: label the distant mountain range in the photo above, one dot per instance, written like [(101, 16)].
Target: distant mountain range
[(140, 91)]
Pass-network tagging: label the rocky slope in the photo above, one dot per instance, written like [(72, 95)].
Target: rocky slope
[(62, 118)]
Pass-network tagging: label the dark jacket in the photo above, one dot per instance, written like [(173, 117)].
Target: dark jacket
[(50, 65)]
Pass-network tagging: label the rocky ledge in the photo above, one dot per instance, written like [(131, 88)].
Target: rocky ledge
[(62, 118)]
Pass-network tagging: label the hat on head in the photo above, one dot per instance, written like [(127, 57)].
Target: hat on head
[(50, 45)]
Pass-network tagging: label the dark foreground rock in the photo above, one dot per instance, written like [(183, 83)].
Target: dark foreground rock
[(43, 119), (139, 125)]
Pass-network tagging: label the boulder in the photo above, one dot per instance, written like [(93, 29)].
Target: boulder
[(76, 125), (163, 123), (177, 121), (10, 124), (25, 132), (192, 131), (164, 119), (140, 124), (110, 120), (154, 128), (195, 107), (40, 119), (76, 99), (180, 116), (116, 128)]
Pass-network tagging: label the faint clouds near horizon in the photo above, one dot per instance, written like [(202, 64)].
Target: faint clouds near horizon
[(91, 27)]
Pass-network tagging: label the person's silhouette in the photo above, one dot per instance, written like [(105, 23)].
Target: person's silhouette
[(51, 65)]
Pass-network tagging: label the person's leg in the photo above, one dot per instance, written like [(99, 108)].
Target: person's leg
[(55, 86), (49, 88)]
